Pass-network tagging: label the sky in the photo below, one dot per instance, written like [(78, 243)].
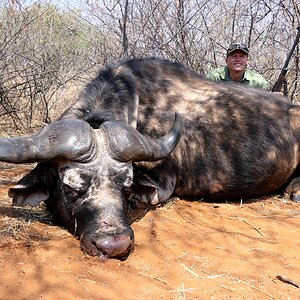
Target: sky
[(60, 3)]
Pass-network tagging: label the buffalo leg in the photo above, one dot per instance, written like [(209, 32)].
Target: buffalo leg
[(293, 190)]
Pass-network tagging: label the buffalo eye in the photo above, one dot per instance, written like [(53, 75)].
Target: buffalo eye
[(76, 180), (127, 184)]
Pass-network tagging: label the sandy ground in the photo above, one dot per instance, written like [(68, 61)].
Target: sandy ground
[(186, 250)]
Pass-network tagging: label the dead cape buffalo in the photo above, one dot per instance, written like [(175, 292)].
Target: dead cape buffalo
[(117, 144)]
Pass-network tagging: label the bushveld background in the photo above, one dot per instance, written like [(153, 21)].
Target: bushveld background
[(186, 250), (50, 49)]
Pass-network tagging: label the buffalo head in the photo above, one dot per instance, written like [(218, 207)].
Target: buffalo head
[(85, 176)]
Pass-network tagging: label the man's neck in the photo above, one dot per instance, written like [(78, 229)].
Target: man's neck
[(236, 76)]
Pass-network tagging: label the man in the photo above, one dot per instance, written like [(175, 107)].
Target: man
[(236, 68)]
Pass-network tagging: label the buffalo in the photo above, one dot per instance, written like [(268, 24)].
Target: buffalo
[(145, 130)]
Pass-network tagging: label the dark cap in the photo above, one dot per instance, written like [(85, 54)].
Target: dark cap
[(237, 46)]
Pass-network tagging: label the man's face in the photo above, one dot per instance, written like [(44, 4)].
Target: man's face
[(237, 61)]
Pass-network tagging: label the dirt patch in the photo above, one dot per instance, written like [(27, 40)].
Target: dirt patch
[(186, 250)]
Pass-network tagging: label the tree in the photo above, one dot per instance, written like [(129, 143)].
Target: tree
[(45, 49)]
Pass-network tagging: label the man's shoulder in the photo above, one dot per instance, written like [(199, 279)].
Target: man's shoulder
[(253, 75), (256, 79), (217, 74)]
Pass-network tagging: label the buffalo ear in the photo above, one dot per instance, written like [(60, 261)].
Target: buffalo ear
[(23, 195), (34, 187)]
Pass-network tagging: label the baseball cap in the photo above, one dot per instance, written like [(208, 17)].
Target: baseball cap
[(237, 46)]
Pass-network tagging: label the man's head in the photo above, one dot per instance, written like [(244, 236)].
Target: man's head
[(237, 47), (237, 57)]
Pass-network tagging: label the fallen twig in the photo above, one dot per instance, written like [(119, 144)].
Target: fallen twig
[(191, 271), (255, 228), (78, 280), (154, 277), (227, 288), (288, 280), (255, 288), (213, 275), (206, 277)]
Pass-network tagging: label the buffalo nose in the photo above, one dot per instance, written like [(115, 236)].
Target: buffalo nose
[(118, 246)]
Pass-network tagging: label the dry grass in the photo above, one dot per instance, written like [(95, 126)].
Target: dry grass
[(14, 222)]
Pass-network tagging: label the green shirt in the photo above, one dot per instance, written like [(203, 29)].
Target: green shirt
[(251, 78)]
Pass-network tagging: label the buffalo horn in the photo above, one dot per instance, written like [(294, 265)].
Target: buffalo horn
[(66, 139), (127, 144)]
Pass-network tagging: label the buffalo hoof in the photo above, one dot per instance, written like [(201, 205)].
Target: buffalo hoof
[(296, 197), (293, 190)]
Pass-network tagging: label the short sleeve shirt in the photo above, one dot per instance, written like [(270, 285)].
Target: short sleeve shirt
[(251, 78)]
